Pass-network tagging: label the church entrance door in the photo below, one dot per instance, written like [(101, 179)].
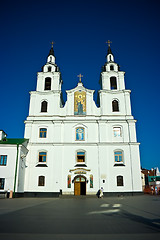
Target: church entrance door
[(79, 186)]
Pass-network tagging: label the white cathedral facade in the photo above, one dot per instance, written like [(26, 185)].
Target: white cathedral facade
[(76, 148)]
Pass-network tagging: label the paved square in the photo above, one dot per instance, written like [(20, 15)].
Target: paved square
[(80, 218)]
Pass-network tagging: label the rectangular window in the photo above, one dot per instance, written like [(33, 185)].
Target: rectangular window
[(41, 181), (2, 181), (42, 156), (43, 133), (80, 156), (3, 160), (118, 157), (119, 180)]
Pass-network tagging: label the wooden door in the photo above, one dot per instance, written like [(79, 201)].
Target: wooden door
[(77, 188)]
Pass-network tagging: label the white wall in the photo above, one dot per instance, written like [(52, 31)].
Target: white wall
[(8, 171)]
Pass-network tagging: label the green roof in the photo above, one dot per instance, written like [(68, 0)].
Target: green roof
[(13, 141)]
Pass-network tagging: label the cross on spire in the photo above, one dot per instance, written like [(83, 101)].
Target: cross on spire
[(109, 43), (80, 76), (52, 44)]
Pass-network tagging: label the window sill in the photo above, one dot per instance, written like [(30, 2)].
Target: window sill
[(119, 164), (81, 165), (41, 165)]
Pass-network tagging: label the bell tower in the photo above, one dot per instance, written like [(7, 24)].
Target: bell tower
[(47, 99), (109, 70), (50, 75), (113, 88)]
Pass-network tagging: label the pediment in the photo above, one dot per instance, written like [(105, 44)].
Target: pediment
[(79, 125), (80, 88)]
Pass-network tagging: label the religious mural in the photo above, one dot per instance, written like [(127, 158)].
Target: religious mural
[(91, 181), (69, 181), (80, 134), (80, 103)]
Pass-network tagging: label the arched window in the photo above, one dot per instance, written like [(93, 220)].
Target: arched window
[(49, 69), (44, 106), (80, 134), (47, 83), (113, 83), (41, 180), (111, 67), (115, 106), (42, 157), (118, 156), (119, 180), (81, 156), (43, 132)]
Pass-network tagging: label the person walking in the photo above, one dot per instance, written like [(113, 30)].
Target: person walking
[(152, 190), (101, 193), (156, 190)]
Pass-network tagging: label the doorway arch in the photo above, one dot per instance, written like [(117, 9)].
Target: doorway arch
[(79, 185)]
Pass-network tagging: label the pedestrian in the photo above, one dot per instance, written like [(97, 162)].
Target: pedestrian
[(101, 192), (152, 190), (156, 190), (8, 192), (98, 193)]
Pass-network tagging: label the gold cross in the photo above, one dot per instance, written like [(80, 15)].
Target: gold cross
[(109, 43), (52, 44), (80, 76)]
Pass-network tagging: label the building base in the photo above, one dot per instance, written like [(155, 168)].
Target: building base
[(59, 194), (121, 194), (3, 194), (42, 194)]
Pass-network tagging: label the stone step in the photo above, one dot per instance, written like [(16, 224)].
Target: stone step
[(77, 196)]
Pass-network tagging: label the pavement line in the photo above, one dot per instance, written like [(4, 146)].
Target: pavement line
[(105, 205), (106, 211), (116, 205), (157, 223)]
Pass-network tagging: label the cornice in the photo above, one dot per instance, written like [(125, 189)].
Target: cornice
[(83, 144), (114, 91), (46, 92)]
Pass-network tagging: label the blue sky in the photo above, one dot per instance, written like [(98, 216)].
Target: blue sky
[(80, 30)]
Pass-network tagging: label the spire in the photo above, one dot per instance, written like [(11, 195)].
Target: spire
[(51, 52), (109, 51), (51, 57), (109, 56)]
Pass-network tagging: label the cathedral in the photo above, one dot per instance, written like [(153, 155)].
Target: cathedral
[(78, 147)]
